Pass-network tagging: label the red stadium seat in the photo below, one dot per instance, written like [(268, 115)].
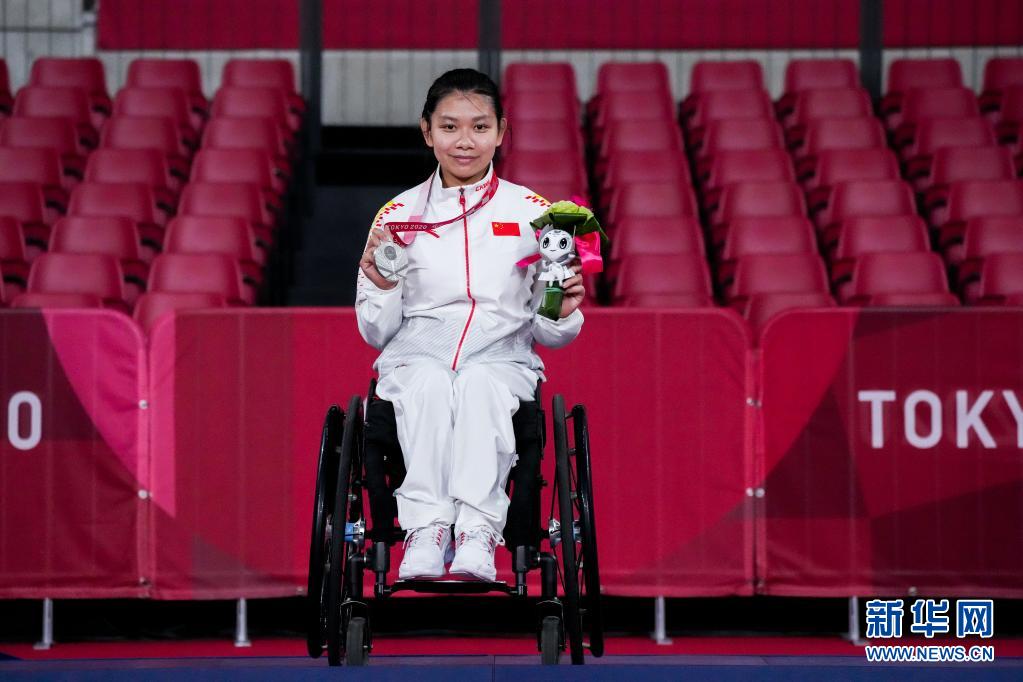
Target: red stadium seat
[(39, 166), (735, 166), (720, 105), (888, 234), (24, 201), (278, 74), (1000, 73), (807, 74), (541, 106), (652, 236), (13, 258), (976, 199), (211, 273), (921, 104), (897, 273), (117, 237), (151, 307), (229, 199), (257, 133), (149, 133), (937, 299), (709, 76), (741, 134), (6, 100), (131, 200), (1010, 119), (179, 74), (748, 236), (240, 165), (813, 105), (904, 74), (79, 273), (781, 234), (762, 308), (637, 136), (229, 236), (624, 106), (778, 273), (695, 300), (986, 237), (160, 103), (837, 133), (629, 167), (756, 200), (864, 198), (53, 133), (836, 166), (556, 77), (206, 234), (85, 73), (525, 167), (938, 133), (38, 102), (652, 200), (1001, 280), (58, 300), (671, 274), (543, 136), (958, 164), (146, 166), (632, 77), (256, 103)]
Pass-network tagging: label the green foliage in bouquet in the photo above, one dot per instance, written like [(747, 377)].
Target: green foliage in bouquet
[(570, 217)]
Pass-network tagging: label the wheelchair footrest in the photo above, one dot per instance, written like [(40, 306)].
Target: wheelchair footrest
[(451, 586)]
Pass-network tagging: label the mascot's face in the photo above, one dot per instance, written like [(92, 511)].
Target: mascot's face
[(556, 245)]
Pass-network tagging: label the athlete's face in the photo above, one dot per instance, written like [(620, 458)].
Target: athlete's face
[(464, 133)]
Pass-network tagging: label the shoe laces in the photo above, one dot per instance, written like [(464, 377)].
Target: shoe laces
[(482, 534), (426, 535)]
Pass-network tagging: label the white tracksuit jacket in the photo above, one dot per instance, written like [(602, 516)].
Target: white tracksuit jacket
[(457, 340)]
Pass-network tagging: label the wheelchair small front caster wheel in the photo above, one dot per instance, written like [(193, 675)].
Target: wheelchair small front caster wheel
[(550, 641), (357, 649)]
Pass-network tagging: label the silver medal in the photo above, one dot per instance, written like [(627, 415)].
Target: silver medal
[(391, 261)]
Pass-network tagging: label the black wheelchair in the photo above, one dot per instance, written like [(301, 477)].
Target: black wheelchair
[(359, 453)]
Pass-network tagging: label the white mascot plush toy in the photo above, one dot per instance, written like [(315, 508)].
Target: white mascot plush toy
[(557, 247)]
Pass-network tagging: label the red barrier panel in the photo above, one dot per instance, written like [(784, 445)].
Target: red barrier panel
[(72, 451), (238, 402), (892, 453), (665, 394)]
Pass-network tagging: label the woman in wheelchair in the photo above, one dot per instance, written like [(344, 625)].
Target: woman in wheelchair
[(457, 330)]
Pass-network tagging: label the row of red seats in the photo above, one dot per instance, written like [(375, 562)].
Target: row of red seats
[(542, 148), (145, 165)]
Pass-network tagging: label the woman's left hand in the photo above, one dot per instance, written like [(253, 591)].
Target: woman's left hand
[(574, 290)]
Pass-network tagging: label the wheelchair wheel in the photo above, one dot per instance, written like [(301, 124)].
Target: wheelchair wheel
[(566, 516), (346, 506), (590, 583), (319, 545), (550, 641), (357, 642)]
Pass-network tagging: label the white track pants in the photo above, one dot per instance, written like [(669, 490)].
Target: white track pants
[(455, 430)]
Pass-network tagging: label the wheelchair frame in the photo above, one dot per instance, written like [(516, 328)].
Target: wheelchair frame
[(337, 612)]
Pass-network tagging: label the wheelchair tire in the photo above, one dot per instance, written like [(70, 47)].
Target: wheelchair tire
[(357, 642), (319, 545), (591, 597), (566, 515), (338, 586), (550, 641)]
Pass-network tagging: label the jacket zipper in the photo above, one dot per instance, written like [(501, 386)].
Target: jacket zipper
[(468, 289)]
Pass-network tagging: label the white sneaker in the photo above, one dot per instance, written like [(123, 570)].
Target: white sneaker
[(427, 549), (474, 552)]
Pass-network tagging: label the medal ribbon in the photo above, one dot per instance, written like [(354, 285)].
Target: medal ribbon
[(413, 225)]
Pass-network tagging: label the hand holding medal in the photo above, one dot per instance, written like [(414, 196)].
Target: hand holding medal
[(383, 262)]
